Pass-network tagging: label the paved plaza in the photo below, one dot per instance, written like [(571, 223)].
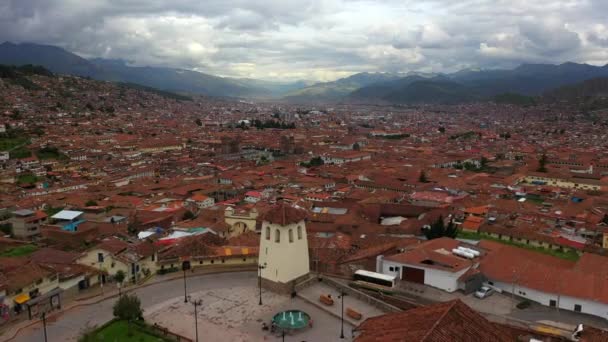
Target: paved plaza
[(234, 314)]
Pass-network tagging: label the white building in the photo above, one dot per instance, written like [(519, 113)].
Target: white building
[(432, 263), (576, 286), (283, 247)]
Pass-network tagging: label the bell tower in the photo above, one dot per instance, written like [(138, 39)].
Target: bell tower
[(283, 247)]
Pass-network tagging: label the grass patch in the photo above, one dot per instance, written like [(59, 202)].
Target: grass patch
[(27, 179), (8, 143), (50, 153), (568, 255), (19, 251), (118, 331)]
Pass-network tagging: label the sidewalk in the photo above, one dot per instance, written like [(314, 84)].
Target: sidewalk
[(311, 294), (95, 296)]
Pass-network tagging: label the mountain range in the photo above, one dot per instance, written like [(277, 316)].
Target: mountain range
[(390, 88)]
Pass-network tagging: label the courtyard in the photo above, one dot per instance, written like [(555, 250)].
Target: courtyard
[(234, 314)]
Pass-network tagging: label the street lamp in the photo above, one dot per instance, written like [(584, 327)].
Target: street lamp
[(342, 294), (185, 267), (196, 303), (44, 325), (260, 268)]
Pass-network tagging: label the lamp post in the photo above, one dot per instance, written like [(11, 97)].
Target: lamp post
[(185, 291), (260, 268), (342, 294), (185, 267), (196, 303), (44, 325)]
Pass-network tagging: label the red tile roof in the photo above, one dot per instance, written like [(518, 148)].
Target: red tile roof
[(284, 214), (451, 321)]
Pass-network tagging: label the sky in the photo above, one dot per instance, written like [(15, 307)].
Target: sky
[(319, 40)]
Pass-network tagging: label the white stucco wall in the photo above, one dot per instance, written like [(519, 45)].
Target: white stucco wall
[(565, 302), (285, 261), (447, 281)]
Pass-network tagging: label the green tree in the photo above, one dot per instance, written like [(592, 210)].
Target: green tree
[(90, 203), (188, 215), (128, 308), (422, 178), (439, 229), (119, 277), (542, 163)]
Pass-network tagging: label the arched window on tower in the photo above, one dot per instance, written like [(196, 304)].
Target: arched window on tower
[(277, 236), (267, 233), (299, 233), (290, 235)]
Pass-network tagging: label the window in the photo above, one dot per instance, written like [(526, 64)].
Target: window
[(212, 261), (267, 233), (200, 262), (391, 269), (578, 307), (299, 233), (290, 235), (152, 256), (552, 303), (277, 236), (223, 261), (100, 257)]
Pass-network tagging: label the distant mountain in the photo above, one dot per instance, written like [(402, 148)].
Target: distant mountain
[(53, 58), (468, 85), (588, 95), (61, 61), (337, 90)]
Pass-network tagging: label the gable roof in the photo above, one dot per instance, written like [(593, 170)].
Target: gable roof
[(451, 321), (284, 214)]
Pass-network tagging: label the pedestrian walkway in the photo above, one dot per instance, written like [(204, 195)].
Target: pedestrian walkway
[(97, 295), (312, 293)]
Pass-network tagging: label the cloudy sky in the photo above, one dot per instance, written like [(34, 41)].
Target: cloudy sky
[(316, 39)]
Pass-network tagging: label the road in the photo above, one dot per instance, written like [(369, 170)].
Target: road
[(68, 326)]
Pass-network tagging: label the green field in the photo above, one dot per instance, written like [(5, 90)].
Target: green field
[(27, 179), (19, 251), (117, 331), (570, 255)]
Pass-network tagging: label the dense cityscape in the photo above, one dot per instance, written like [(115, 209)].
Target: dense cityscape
[(375, 207)]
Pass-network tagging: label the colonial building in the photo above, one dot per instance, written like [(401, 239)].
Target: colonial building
[(283, 248)]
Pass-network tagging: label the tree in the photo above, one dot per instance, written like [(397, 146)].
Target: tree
[(119, 277), (128, 308), (422, 178), (188, 215), (483, 162), (439, 229), (90, 203), (542, 163)]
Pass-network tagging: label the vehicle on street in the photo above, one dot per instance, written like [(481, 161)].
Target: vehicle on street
[(484, 292)]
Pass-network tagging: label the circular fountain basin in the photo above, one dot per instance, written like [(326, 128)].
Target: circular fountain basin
[(291, 320)]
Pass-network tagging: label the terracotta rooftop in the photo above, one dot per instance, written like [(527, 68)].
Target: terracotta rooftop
[(284, 214), (451, 321)]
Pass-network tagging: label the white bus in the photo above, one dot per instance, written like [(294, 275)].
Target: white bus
[(372, 278)]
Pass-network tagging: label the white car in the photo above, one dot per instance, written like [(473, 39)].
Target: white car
[(484, 292)]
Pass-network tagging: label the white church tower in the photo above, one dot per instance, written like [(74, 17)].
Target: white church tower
[(283, 248)]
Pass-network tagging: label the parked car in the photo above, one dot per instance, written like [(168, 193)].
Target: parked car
[(484, 292)]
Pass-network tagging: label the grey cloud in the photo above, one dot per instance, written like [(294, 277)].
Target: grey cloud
[(278, 38)]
